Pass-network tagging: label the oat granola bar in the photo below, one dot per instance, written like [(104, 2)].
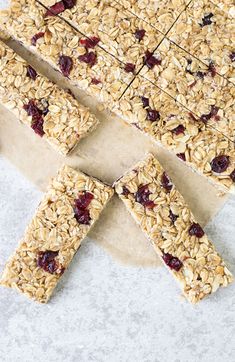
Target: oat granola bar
[(208, 33), (112, 27), (162, 214), (69, 209), (171, 125), (195, 85), (51, 39), (159, 13), (226, 5), (51, 112)]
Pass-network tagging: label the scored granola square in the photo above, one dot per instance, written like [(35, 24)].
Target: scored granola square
[(67, 212), (92, 70), (159, 13), (200, 146), (163, 215), (51, 112), (111, 26), (208, 33), (195, 85)]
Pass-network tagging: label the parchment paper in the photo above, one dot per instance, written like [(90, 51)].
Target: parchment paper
[(106, 154)]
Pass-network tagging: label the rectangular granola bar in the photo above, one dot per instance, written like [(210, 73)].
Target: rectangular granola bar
[(159, 13), (53, 40), (201, 147), (51, 112), (208, 33), (195, 85), (69, 209), (162, 214), (111, 26)]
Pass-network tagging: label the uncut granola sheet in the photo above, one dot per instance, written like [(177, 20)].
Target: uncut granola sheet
[(194, 85), (165, 218), (63, 219), (97, 73), (158, 115), (63, 121), (208, 33), (119, 32)]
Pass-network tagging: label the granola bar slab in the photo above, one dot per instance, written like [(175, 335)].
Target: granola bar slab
[(171, 125), (163, 215), (51, 112), (51, 39), (159, 13), (114, 28), (67, 212), (194, 84), (208, 33)]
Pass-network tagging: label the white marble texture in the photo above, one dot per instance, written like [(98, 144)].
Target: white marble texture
[(103, 311)]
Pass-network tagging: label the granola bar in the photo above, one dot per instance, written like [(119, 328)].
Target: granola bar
[(171, 125), (70, 207), (112, 27), (195, 85), (208, 33), (159, 13), (52, 113), (162, 214), (226, 5), (50, 38)]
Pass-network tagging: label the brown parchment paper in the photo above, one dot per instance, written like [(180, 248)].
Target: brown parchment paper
[(106, 154)]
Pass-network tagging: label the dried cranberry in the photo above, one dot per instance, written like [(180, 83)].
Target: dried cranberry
[(153, 115), (31, 73), (95, 81), (207, 20), (37, 36), (56, 9), (37, 121), (65, 64), (82, 216), (173, 217), (212, 69), (200, 74), (46, 261), (69, 4), (196, 230), (90, 42), (37, 126), (232, 56), (178, 130), (214, 111), (84, 200), (139, 34), (220, 163), (232, 175), (172, 261), (166, 182), (88, 58), (150, 60), (125, 191), (129, 68), (181, 156), (142, 196), (145, 102)]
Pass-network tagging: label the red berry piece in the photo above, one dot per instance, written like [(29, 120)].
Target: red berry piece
[(88, 58), (84, 200), (139, 34), (129, 68), (153, 115), (55, 9), (65, 64), (150, 60), (207, 20), (31, 73), (172, 261), (95, 81), (196, 230), (232, 175), (178, 130), (37, 120), (37, 36), (145, 102), (46, 261), (173, 217), (125, 191), (220, 163), (166, 182), (81, 212), (69, 4), (232, 56), (181, 156), (142, 196), (90, 42), (212, 69), (82, 216)]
